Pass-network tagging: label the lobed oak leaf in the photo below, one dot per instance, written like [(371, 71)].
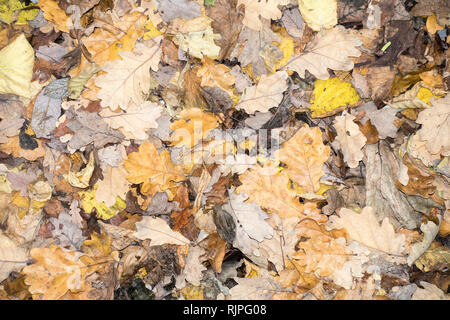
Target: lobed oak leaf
[(193, 127), (254, 9), (55, 272), (155, 171), (159, 232), (305, 154), (135, 121), (349, 139), (267, 94), (324, 251), (365, 229), (329, 49), (271, 191), (435, 129), (12, 257), (128, 80), (113, 185), (199, 43)]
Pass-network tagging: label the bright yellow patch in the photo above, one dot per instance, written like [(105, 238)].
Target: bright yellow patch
[(192, 293), (22, 203), (151, 30), (287, 47), (88, 203), (9, 8), (425, 95), (331, 94)]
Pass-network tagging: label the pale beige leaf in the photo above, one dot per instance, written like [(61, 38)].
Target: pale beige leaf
[(329, 49), (12, 257), (114, 184), (159, 232), (429, 292), (319, 14), (365, 229), (135, 121), (254, 9), (267, 94), (128, 80), (16, 67), (435, 129), (349, 139)]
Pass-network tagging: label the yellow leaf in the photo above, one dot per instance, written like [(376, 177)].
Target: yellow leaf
[(56, 15), (271, 191), (216, 75), (287, 47), (155, 171), (319, 14), (199, 44), (152, 31), (16, 67), (432, 25), (193, 126), (22, 203), (55, 272), (88, 203), (331, 96), (98, 245), (8, 11), (81, 178), (192, 293)]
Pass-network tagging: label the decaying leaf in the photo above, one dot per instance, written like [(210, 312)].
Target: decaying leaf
[(329, 49), (349, 139), (305, 154)]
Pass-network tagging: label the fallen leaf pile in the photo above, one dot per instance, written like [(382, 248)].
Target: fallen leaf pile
[(224, 149)]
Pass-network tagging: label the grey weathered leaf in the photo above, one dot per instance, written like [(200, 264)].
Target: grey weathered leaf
[(293, 22), (57, 89), (171, 9), (46, 112), (90, 128), (67, 232), (160, 205)]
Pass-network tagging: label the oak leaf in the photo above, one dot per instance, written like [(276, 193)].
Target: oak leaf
[(113, 185), (267, 94), (199, 43), (329, 49), (305, 154), (159, 232), (55, 272), (155, 171), (128, 80), (216, 75), (349, 139), (364, 228), (324, 251), (435, 129), (193, 126), (271, 191), (12, 257), (135, 121), (254, 9)]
